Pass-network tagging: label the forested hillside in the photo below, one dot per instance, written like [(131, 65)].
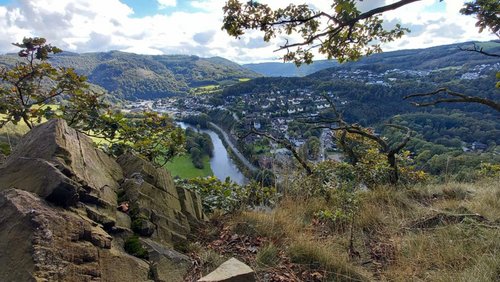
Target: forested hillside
[(416, 59), (134, 76), (371, 92)]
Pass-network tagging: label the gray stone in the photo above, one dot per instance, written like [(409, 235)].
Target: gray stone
[(166, 264), (53, 157), (41, 177), (155, 212), (232, 270), (39, 242), (138, 168), (101, 216), (143, 227), (123, 220)]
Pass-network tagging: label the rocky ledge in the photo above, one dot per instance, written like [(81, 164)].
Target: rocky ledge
[(59, 221)]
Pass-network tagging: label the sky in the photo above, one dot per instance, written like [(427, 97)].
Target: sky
[(194, 27)]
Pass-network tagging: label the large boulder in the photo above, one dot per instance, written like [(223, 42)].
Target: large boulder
[(166, 264), (57, 162), (158, 209), (44, 243)]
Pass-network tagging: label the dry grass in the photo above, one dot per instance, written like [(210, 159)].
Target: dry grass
[(388, 245), (329, 256)]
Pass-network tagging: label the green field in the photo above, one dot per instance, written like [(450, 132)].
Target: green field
[(208, 89), (183, 167)]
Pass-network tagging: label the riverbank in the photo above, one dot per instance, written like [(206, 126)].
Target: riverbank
[(223, 163), (247, 168)]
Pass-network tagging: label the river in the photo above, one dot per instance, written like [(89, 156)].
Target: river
[(222, 165)]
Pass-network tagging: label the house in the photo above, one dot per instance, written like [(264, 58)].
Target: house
[(257, 125), (478, 146)]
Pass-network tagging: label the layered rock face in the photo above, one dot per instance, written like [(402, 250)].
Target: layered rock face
[(59, 219)]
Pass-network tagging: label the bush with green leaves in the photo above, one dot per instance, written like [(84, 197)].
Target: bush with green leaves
[(134, 247), (228, 196), (344, 202)]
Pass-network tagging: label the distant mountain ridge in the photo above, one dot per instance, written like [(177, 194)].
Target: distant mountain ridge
[(416, 59), (274, 69), (148, 76)]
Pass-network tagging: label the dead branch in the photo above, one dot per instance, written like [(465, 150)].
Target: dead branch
[(479, 50), (456, 98)]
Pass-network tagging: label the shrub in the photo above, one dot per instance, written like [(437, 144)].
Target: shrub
[(134, 247), (226, 195)]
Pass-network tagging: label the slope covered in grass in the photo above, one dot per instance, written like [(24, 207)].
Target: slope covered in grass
[(432, 232)]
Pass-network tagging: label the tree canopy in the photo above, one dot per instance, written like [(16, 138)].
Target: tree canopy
[(343, 32)]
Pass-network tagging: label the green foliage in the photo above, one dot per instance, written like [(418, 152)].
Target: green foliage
[(312, 146), (489, 170), (134, 247), (150, 134), (344, 202), (33, 83), (200, 120), (349, 35), (228, 196), (487, 13), (31, 87), (135, 76), (221, 195), (199, 145), (4, 148)]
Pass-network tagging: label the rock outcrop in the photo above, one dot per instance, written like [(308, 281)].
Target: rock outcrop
[(63, 165), (46, 243), (59, 220)]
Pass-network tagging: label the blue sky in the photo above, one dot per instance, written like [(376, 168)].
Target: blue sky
[(144, 8), (194, 27)]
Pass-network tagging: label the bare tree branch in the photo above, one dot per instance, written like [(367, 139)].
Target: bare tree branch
[(461, 98), (479, 50)]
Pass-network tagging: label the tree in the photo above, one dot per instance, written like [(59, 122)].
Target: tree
[(150, 134), (313, 146), (343, 33), (487, 13), (33, 83), (350, 136), (444, 95)]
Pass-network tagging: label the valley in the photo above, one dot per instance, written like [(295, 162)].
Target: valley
[(369, 92)]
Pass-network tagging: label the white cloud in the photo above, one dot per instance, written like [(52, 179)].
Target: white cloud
[(163, 4), (97, 25)]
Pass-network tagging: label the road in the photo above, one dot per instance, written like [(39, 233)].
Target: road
[(233, 148)]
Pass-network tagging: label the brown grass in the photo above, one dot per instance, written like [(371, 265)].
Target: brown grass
[(387, 245)]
